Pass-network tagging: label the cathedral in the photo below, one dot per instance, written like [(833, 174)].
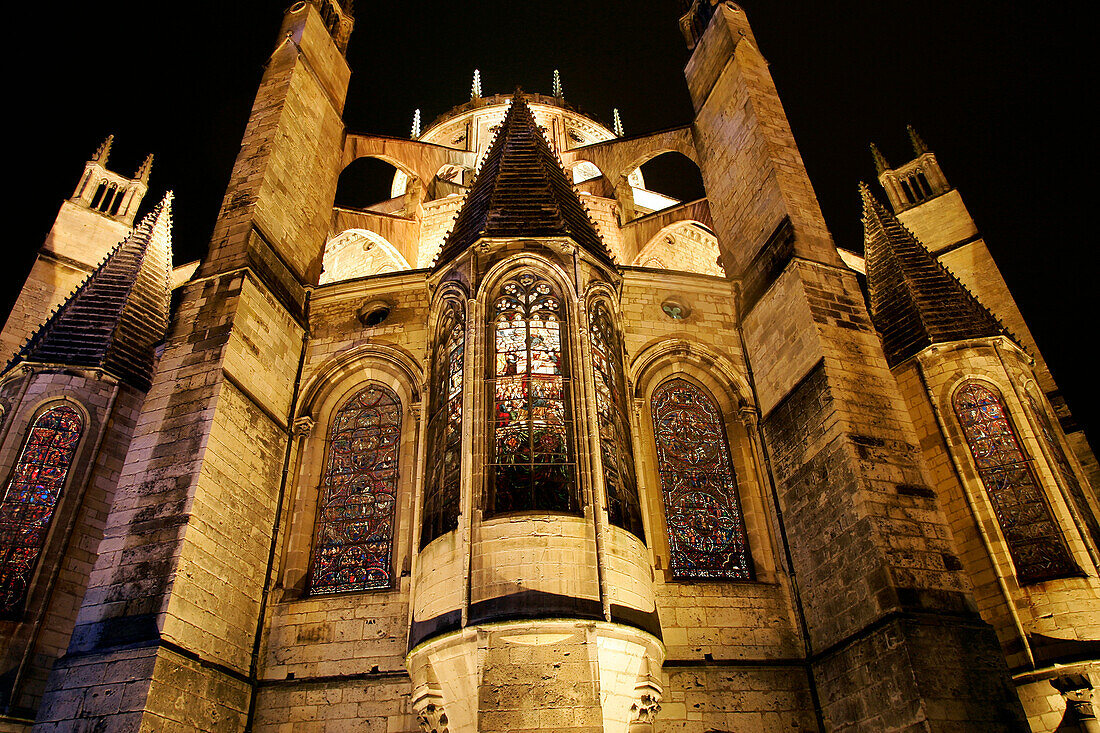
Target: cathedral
[(528, 446)]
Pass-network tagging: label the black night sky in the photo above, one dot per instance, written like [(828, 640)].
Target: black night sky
[(996, 89)]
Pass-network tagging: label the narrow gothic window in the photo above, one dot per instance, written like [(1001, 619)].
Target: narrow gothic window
[(31, 497), (1033, 537), (623, 508), (442, 488), (706, 530), (353, 546), (532, 461), (1069, 476)]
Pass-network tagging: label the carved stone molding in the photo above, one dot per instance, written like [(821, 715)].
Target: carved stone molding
[(1078, 693), (303, 426), (647, 703), (430, 715)]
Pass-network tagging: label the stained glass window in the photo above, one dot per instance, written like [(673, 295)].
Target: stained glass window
[(623, 507), (31, 497), (1033, 537), (1069, 476), (353, 547), (532, 461), (442, 488), (706, 530)]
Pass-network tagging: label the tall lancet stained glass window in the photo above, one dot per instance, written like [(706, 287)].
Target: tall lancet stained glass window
[(623, 508), (1069, 476), (353, 546), (442, 488), (1034, 539), (706, 530), (532, 461), (31, 497)]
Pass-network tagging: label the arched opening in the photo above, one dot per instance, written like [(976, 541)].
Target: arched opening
[(665, 180), (449, 180), (372, 184), (687, 246), (359, 253)]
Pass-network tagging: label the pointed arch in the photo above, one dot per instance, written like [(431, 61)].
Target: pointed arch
[(706, 527), (354, 532), (1034, 538), (442, 485), (1060, 457), (33, 489), (612, 418), (359, 253), (532, 460)]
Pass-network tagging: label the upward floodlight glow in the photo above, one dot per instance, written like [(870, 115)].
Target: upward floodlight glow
[(475, 89)]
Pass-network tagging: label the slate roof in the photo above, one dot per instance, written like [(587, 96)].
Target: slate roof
[(915, 300), (119, 314), (521, 190)]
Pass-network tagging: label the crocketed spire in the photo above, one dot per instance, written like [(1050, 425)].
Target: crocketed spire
[(521, 191), (115, 319), (915, 300)]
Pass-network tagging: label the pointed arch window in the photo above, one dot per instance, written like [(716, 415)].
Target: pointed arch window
[(1034, 539), (623, 508), (706, 529), (532, 455), (353, 543), (31, 497), (1069, 476), (442, 488)]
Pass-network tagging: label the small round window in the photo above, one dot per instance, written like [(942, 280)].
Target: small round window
[(675, 309)]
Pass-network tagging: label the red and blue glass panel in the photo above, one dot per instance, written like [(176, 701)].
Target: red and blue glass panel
[(1034, 539), (623, 507), (443, 486), (706, 529), (31, 497), (353, 547), (532, 464)]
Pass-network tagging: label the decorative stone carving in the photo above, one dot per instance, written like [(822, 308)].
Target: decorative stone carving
[(1077, 692), (647, 703), (303, 426), (430, 715)]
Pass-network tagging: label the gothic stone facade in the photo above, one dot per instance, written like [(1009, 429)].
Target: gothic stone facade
[(528, 447)]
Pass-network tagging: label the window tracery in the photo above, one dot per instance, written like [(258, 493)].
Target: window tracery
[(1069, 476), (1034, 539), (623, 507), (442, 488), (706, 528), (31, 497), (532, 454), (353, 544)]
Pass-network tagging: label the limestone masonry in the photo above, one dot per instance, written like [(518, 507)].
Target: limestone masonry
[(530, 447)]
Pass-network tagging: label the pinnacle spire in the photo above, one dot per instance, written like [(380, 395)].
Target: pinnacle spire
[(416, 124), (557, 85), (521, 190), (119, 314), (616, 122), (915, 301), (475, 88), (881, 166), (104, 150), (145, 169), (919, 148)]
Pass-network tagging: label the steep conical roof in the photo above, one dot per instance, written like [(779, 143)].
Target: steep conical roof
[(915, 300), (115, 319), (521, 191)]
